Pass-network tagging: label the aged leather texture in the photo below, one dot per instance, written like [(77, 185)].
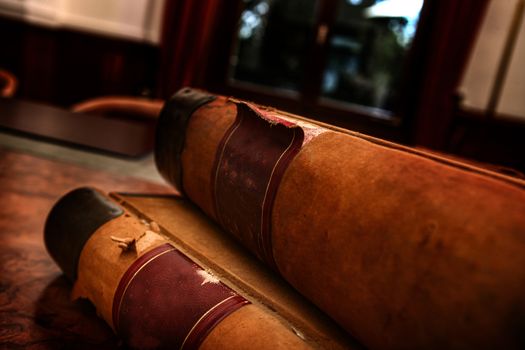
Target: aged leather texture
[(166, 301), (248, 168)]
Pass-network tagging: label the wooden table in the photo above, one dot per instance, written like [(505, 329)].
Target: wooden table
[(35, 309), (131, 138)]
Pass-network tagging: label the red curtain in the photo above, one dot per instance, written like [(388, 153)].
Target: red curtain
[(186, 40), (449, 31)]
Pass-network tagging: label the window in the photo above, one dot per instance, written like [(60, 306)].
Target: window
[(273, 43), (354, 51)]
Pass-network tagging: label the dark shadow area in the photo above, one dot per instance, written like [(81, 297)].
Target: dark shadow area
[(70, 324)]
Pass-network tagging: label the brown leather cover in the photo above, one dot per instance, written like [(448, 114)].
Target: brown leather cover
[(403, 248)]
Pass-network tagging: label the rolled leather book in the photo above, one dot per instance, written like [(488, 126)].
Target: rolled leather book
[(148, 291), (403, 248)]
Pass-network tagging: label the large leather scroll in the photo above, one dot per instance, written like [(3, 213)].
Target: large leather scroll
[(402, 248)]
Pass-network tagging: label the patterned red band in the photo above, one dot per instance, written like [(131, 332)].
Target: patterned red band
[(250, 162), (164, 300)]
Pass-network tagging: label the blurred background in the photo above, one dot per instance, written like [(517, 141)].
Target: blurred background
[(444, 75)]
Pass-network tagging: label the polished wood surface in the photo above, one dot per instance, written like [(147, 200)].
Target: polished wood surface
[(35, 308), (130, 138)]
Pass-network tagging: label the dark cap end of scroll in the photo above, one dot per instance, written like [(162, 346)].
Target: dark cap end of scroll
[(72, 221), (171, 130)]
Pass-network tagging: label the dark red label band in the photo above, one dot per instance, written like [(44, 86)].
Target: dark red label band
[(249, 165), (164, 300)]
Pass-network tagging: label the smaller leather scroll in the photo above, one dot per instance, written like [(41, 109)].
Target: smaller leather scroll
[(164, 300)]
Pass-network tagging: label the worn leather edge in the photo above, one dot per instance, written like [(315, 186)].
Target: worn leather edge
[(85, 209), (277, 161), (399, 147), (211, 319), (171, 132)]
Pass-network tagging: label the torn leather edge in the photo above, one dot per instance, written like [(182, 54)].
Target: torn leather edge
[(269, 179), (86, 209)]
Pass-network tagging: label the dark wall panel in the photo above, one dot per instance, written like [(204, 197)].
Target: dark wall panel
[(63, 67)]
